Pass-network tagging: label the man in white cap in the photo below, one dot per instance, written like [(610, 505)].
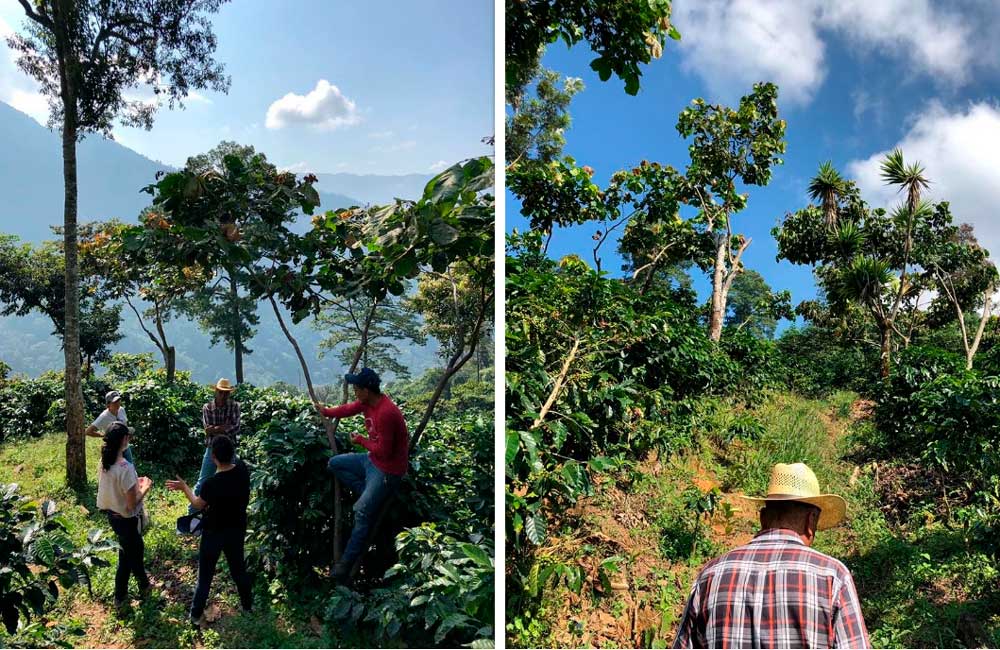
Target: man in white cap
[(115, 412), (776, 591), (221, 416)]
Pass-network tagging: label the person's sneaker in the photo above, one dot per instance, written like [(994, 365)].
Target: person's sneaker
[(198, 622)]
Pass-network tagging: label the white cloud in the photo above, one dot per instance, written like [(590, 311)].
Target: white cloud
[(324, 107), (732, 44), (439, 165), (16, 88), (958, 150), (935, 41)]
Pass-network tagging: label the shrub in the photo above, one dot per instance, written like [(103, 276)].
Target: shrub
[(451, 474), (38, 556), (900, 415), (24, 405), (291, 512), (167, 420), (440, 593), (814, 362)]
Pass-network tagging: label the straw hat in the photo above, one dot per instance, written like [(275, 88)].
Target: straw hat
[(224, 385), (798, 483)]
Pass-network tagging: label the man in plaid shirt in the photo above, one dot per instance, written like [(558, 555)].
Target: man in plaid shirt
[(776, 591), (221, 416)]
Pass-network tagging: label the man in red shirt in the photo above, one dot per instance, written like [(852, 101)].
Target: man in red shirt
[(375, 475), (776, 591)]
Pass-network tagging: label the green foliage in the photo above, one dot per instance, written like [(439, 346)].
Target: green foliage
[(32, 278), (754, 307), (900, 416), (38, 556), (392, 323), (24, 405), (293, 505), (440, 593), (816, 361), (451, 474), (535, 129), (167, 419), (623, 35)]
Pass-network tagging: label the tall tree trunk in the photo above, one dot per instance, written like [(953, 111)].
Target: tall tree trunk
[(76, 448), (237, 330), (170, 356), (718, 306), (886, 350), (331, 431)]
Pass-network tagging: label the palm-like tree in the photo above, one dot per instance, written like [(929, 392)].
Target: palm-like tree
[(910, 178), (826, 186)]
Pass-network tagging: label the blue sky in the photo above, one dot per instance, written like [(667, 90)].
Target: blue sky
[(377, 87), (856, 78)]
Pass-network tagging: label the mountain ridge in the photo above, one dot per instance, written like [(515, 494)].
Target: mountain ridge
[(31, 182)]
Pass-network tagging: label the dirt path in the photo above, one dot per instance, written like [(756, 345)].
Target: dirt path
[(632, 521)]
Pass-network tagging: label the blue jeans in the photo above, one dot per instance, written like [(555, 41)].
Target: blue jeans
[(127, 455), (371, 486)]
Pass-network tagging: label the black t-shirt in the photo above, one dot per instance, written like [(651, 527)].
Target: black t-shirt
[(227, 494)]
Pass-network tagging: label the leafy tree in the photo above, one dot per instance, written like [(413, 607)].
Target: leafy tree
[(729, 145), (220, 308), (393, 322), (457, 306), (623, 34), (88, 55), (138, 280), (964, 277), (752, 305), (225, 314), (535, 126), (32, 279), (885, 262)]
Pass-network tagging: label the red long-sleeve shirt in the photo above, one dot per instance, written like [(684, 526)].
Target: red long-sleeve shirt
[(388, 441)]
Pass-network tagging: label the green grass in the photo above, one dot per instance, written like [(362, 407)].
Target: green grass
[(38, 466)]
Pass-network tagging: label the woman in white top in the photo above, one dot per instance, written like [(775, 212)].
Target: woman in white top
[(120, 493)]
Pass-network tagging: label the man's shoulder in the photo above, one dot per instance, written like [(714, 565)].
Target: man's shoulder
[(390, 406), (757, 552)]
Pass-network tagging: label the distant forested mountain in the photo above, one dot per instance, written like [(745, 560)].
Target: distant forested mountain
[(111, 177)]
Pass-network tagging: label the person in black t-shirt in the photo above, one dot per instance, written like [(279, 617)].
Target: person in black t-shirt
[(224, 498)]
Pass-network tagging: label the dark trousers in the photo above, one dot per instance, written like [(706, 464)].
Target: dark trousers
[(130, 556), (213, 544)]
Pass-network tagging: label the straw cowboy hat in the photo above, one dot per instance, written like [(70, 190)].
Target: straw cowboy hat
[(798, 483), (224, 385)]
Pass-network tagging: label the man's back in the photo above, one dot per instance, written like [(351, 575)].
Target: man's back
[(774, 592)]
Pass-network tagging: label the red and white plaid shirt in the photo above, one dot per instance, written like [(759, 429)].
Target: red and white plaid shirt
[(774, 592), (227, 415)]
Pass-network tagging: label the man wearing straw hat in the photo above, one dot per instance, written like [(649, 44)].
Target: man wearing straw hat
[(776, 591), (221, 416)]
